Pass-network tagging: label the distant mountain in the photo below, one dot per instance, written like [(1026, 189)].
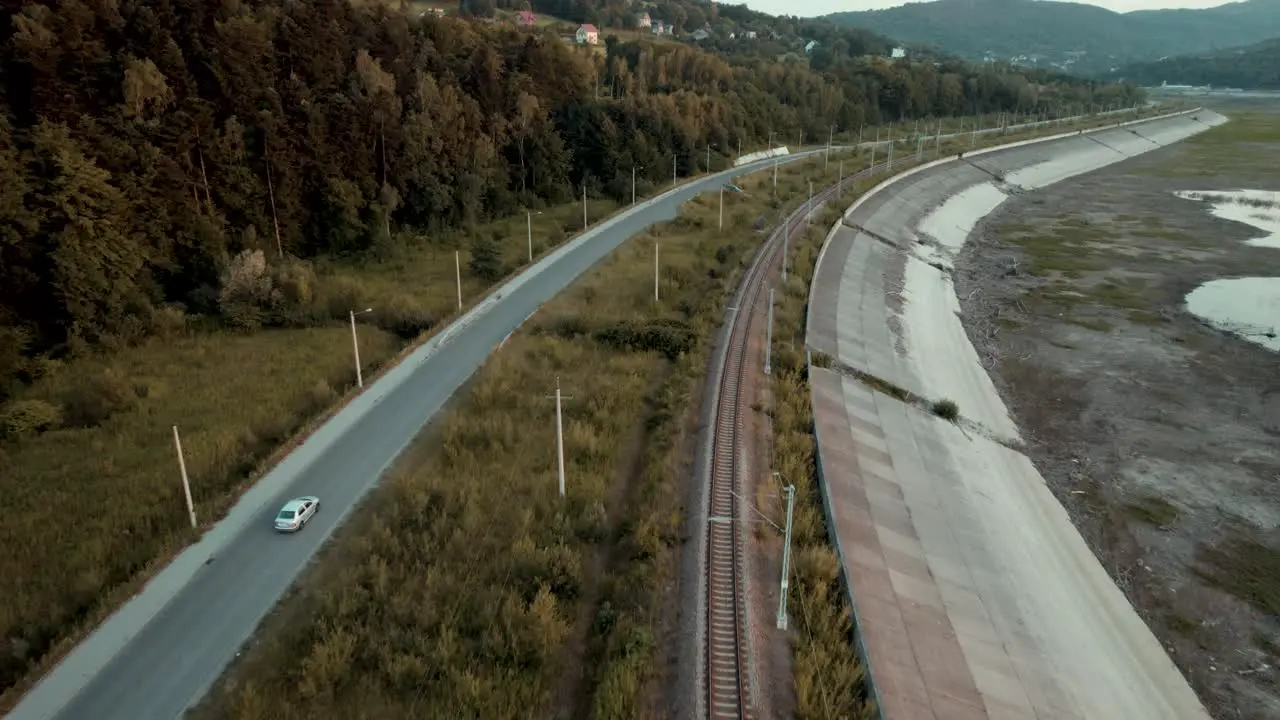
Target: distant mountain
[(1256, 67), (1082, 39)]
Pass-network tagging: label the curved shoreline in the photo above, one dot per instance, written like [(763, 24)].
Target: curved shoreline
[(974, 593)]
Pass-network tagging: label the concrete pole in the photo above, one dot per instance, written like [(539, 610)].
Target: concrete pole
[(808, 208), (768, 341), (674, 172), (872, 167), (708, 158), (355, 347), (786, 560), (584, 206), (840, 182), (775, 175), (633, 184), (721, 208), (786, 240), (890, 163), (655, 271), (186, 484), (560, 437), (457, 274), (528, 221)]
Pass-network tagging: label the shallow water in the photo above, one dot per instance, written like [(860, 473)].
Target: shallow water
[(1248, 307), (1259, 208)]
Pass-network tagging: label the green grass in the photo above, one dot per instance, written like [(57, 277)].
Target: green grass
[(1217, 151), (1246, 568), (1154, 511)]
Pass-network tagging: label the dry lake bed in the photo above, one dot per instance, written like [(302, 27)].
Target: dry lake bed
[(1129, 318)]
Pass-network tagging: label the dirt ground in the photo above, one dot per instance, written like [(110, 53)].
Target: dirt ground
[(1160, 435)]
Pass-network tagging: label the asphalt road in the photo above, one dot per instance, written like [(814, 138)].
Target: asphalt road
[(160, 653)]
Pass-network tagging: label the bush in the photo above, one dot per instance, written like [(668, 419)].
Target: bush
[(404, 316), (98, 399), (341, 295), (946, 409), (486, 258), (23, 417), (671, 338)]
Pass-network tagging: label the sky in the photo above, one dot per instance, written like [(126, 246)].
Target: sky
[(809, 8)]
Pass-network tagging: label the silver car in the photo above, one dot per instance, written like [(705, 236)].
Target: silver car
[(296, 513)]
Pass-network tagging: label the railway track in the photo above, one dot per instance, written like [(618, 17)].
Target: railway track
[(728, 691)]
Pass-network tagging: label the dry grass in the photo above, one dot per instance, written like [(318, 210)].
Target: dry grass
[(240, 398), (468, 588)]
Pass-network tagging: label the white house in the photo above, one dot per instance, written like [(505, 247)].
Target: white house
[(751, 34), (898, 53), (700, 34), (809, 46), (587, 35), (644, 20)]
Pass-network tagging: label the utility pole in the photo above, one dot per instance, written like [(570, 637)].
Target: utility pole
[(674, 172), (355, 344), (655, 270), (919, 147), (786, 560), (808, 208), (721, 208), (871, 169), (584, 206), (186, 484), (457, 274), (860, 126), (786, 238), (560, 436), (775, 175), (937, 141), (633, 184), (708, 158), (840, 182), (890, 162), (528, 224), (768, 341)]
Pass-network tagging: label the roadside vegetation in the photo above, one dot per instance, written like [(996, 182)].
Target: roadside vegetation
[(829, 676), (242, 386), (468, 588)]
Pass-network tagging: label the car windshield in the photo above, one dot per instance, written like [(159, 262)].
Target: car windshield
[(286, 514)]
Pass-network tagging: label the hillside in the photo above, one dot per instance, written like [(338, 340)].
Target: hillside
[(1255, 67), (1075, 37)]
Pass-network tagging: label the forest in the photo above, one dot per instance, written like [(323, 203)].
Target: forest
[(145, 144), (1256, 67)]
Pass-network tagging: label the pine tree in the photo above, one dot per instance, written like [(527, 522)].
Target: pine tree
[(486, 257)]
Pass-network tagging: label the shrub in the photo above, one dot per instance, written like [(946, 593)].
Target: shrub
[(946, 409), (98, 399), (671, 338), (168, 321), (404, 316), (23, 417), (341, 294), (486, 258)]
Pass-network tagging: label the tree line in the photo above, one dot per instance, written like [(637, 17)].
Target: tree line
[(143, 145)]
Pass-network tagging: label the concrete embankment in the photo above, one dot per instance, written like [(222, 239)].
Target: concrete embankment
[(974, 594)]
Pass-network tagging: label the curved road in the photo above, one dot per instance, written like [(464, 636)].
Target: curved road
[(160, 653)]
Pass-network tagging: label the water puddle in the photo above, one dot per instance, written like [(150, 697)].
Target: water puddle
[(1259, 208), (1248, 307)]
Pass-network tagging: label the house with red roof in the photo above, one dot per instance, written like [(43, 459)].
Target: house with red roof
[(587, 35), (526, 18)]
